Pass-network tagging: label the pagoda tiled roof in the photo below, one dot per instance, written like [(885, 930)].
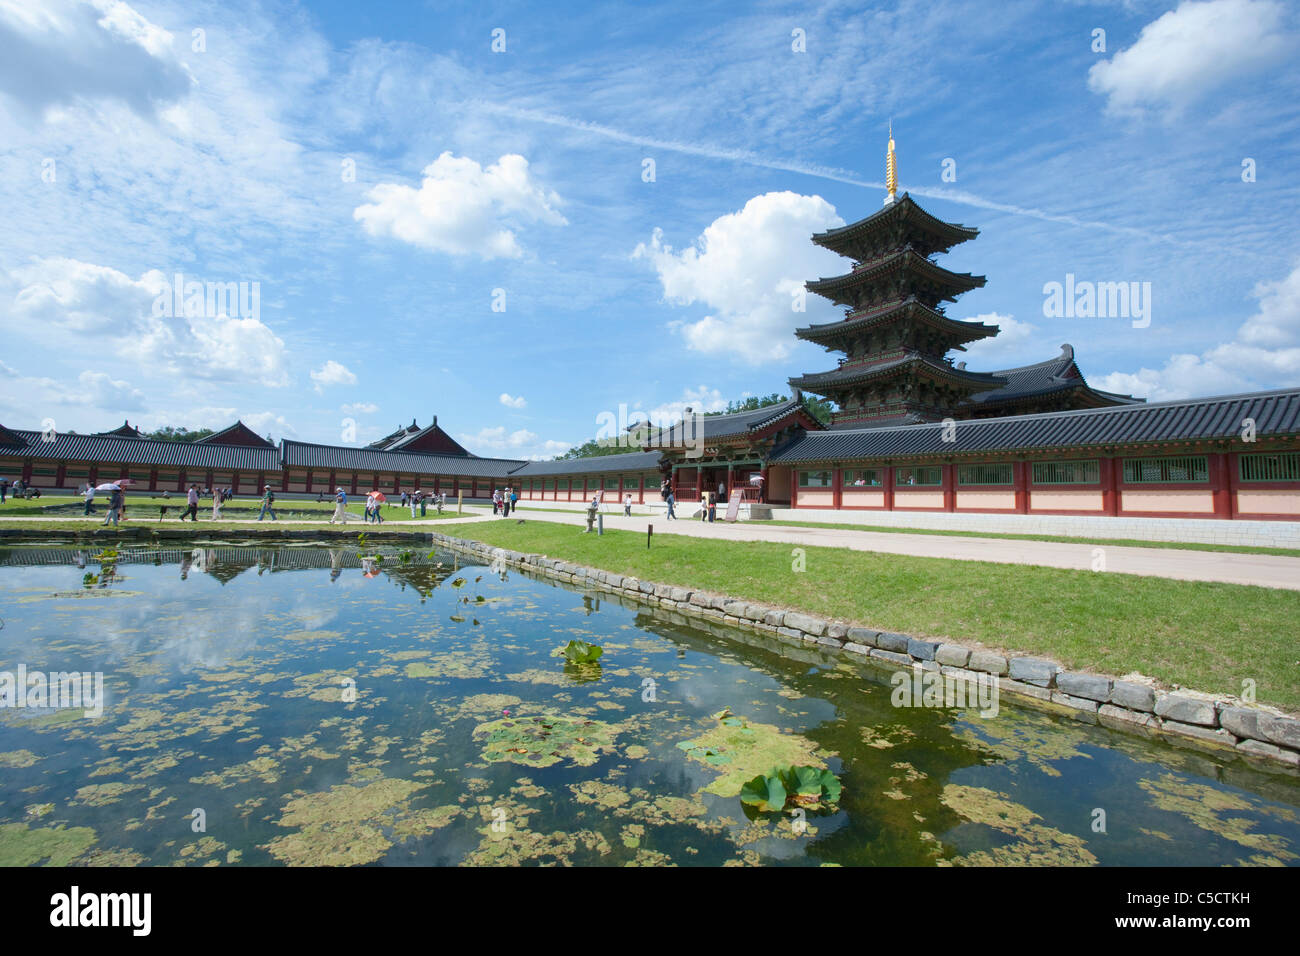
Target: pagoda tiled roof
[(851, 375), (856, 322), (1276, 414), (903, 208), (906, 258)]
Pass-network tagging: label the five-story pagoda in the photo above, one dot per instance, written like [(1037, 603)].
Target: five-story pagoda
[(895, 335)]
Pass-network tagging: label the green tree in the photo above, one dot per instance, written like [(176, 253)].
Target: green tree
[(171, 433)]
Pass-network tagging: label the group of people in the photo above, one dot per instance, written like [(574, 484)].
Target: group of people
[(503, 502)]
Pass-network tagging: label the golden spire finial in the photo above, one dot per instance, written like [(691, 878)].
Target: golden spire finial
[(891, 167)]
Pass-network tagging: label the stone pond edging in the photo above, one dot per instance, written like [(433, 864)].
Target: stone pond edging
[(1179, 716)]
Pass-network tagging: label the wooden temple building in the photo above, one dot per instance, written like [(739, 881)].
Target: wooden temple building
[(912, 430)]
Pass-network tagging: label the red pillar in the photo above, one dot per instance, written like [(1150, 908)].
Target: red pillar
[(888, 485), (949, 487), (1020, 477), (837, 488), (153, 479), (1110, 486), (1220, 485), (59, 473)]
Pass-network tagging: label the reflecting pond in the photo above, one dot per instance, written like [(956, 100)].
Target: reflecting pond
[(289, 704)]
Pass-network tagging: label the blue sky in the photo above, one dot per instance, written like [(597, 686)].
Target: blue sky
[(385, 178)]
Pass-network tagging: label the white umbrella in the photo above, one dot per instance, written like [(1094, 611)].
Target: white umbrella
[(109, 486)]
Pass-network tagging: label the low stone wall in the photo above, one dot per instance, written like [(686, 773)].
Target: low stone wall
[(1184, 717)]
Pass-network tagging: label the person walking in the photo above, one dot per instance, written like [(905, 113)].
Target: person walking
[(412, 502), (627, 505), (671, 500), (4, 489), (424, 504), (505, 502), (114, 507), (218, 499), (268, 502), (90, 499), (713, 507), (192, 504), (340, 507), (514, 499)]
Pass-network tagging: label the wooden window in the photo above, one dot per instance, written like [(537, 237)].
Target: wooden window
[(815, 479), (862, 477), (549, 484), (988, 474), (564, 484), (1067, 472), (1282, 466), (929, 475), (611, 483), (1186, 469), (631, 484)]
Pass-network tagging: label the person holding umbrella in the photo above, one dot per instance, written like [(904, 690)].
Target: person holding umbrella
[(115, 503), (191, 504), (375, 502), (268, 500), (89, 494)]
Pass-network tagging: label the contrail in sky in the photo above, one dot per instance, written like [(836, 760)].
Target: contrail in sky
[(820, 172)]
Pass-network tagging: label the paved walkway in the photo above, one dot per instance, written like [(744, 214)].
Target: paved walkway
[(1263, 570)]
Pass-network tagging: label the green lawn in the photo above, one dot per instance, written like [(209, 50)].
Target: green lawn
[(1206, 636), (1067, 539)]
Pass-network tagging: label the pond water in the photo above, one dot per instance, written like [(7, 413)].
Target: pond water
[(296, 705)]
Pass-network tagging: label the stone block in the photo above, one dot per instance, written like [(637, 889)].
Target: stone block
[(1187, 710), (1132, 696), (889, 641), (805, 622), (1084, 685), (953, 655), (862, 635), (988, 662), (1032, 670), (922, 650)]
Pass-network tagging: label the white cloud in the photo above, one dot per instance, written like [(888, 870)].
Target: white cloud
[(1189, 51), (1264, 353), (516, 402), (1012, 336), (67, 295), (462, 208), (521, 443), (332, 373), (59, 52), (265, 423), (102, 391), (748, 267), (700, 399), (359, 408)]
